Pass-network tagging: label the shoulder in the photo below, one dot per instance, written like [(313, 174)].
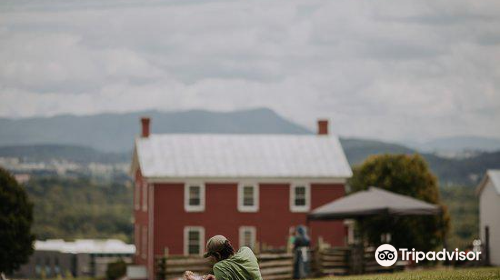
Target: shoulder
[(245, 250), (246, 253)]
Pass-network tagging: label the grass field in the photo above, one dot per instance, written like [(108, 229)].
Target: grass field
[(465, 274)]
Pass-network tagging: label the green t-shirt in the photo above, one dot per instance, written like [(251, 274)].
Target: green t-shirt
[(242, 266)]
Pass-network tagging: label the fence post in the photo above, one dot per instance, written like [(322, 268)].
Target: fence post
[(162, 265)]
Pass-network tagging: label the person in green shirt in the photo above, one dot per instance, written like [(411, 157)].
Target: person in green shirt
[(229, 265)]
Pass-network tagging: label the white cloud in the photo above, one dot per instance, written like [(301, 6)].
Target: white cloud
[(390, 70)]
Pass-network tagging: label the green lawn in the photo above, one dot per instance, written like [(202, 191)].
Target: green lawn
[(442, 274)]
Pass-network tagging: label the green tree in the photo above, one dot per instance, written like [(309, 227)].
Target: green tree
[(407, 175), (16, 217)]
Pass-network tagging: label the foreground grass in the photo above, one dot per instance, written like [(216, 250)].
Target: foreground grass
[(473, 274)]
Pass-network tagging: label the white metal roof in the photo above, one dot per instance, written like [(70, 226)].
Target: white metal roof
[(89, 246), (241, 156), (494, 176)]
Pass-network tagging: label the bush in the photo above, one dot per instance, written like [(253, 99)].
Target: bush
[(116, 270)]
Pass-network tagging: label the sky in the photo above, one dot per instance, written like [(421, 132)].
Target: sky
[(391, 70)]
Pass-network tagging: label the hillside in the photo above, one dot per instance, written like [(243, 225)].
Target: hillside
[(108, 138), (467, 171), (115, 132), (460, 143), (78, 154)]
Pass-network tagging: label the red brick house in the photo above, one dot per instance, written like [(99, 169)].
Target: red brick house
[(250, 188)]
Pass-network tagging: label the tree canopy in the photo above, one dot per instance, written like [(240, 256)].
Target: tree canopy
[(16, 217), (407, 175)]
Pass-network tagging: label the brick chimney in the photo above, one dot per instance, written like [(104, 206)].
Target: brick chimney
[(322, 127), (145, 121)]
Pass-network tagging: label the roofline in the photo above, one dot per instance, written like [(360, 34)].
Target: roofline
[(484, 182), (134, 165), (334, 180)]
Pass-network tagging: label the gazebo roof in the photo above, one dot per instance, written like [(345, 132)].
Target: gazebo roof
[(373, 201)]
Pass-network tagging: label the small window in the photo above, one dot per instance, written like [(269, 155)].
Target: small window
[(57, 269), (144, 197), (137, 196), (194, 239), (300, 198), (194, 197), (38, 267), (248, 236), (248, 197), (48, 270)]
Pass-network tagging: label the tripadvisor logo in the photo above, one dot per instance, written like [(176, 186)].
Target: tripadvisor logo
[(387, 255)]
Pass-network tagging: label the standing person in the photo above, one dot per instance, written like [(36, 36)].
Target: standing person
[(290, 240), (301, 253), (229, 265)]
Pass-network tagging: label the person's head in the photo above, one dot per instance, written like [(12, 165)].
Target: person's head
[(218, 248), (301, 231)]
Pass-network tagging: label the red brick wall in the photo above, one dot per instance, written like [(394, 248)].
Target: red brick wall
[(221, 216), (140, 218)]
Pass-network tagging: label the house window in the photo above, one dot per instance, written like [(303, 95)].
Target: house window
[(144, 197), (38, 267), (137, 196), (248, 197), (247, 236), (48, 270), (57, 269), (194, 197), (300, 198), (194, 238), (144, 246)]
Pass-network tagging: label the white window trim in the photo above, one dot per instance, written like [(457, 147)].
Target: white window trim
[(187, 229), (253, 232), (137, 196), (197, 208), (243, 208), (300, 209), (144, 196)]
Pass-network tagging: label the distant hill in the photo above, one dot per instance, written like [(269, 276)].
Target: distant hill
[(357, 150), (108, 138), (79, 154), (459, 144), (450, 171), (116, 132)]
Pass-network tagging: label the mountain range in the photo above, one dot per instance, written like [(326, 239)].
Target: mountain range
[(108, 138)]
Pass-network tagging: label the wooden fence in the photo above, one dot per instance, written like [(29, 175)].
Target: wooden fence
[(330, 261), (279, 266), (272, 266)]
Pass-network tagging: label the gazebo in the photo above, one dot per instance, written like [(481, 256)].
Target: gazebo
[(372, 202)]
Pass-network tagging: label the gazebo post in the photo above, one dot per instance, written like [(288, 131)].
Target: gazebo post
[(357, 252)]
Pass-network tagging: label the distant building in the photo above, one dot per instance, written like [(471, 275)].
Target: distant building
[(81, 258), (489, 213), (250, 188)]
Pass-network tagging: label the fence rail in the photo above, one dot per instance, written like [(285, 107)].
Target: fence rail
[(272, 266), (279, 266)]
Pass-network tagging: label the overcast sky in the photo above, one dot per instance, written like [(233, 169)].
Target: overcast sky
[(393, 70)]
